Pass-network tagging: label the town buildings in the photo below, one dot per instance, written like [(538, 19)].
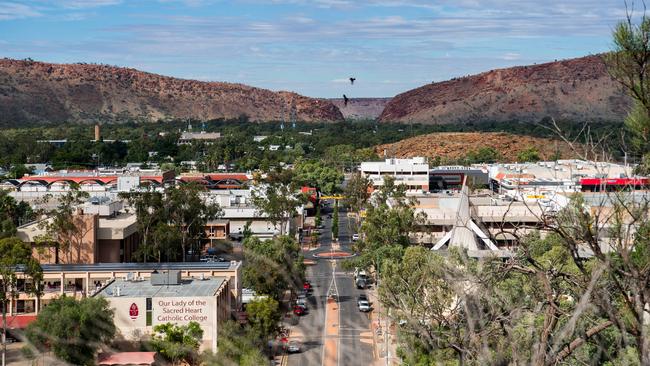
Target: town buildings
[(413, 173)]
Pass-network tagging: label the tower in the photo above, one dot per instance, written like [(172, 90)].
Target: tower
[(292, 115)]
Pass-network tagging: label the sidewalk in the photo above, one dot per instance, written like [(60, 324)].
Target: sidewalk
[(384, 338)]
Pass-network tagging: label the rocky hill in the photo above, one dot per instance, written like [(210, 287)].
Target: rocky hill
[(361, 108), (572, 90), (451, 146), (44, 92)]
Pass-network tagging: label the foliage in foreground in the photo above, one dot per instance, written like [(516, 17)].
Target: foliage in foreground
[(178, 342), (73, 329)]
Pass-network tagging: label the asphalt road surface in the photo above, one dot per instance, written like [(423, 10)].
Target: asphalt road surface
[(343, 335)]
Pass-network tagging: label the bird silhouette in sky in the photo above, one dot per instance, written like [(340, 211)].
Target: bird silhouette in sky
[(352, 80), (345, 100)]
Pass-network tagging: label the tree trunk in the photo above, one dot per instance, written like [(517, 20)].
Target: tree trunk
[(4, 332), (566, 352)]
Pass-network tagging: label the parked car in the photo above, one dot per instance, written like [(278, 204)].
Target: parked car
[(302, 302), (299, 310), (355, 237), (362, 297), (364, 306), (293, 347), (361, 283), (306, 286)]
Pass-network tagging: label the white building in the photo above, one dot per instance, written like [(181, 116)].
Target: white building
[(140, 304), (413, 173), (239, 210)]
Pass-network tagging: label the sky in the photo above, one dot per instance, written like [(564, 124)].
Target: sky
[(309, 46)]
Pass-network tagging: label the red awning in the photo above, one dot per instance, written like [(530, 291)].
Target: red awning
[(20, 321), (126, 358)]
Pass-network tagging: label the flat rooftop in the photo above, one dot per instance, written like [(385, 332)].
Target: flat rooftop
[(140, 267), (565, 169), (188, 287)]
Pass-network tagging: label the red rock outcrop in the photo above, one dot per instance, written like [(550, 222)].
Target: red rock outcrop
[(43, 92), (576, 90)]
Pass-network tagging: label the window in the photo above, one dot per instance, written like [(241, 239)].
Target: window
[(149, 311)]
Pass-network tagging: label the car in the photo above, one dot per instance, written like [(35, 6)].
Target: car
[(303, 294), (364, 306), (302, 302), (306, 285), (299, 310), (362, 297), (293, 347), (361, 283), (355, 237), (221, 259), (360, 273)]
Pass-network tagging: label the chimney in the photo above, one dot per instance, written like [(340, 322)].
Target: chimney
[(97, 132)]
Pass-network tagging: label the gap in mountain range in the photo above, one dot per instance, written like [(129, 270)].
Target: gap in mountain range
[(577, 90)]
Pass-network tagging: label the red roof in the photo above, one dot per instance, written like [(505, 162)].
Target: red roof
[(20, 321), (126, 358), (223, 176), (614, 181)]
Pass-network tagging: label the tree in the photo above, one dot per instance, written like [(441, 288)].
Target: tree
[(357, 193), (277, 196), (73, 329), (273, 266), (18, 171), (15, 254), (238, 345), (483, 155), (318, 219), (67, 226), (627, 64), (534, 308), (188, 213), (178, 342), (317, 175), (335, 221), (12, 214), (385, 228), (150, 212), (530, 155), (263, 317)]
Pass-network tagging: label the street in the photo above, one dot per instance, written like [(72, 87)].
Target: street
[(334, 333)]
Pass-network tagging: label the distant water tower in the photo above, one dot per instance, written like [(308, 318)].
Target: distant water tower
[(97, 133)]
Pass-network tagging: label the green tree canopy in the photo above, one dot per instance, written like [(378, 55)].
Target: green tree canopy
[(178, 342), (530, 155), (263, 317), (73, 329), (273, 266), (318, 175)]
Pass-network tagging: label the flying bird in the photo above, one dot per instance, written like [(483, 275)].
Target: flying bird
[(352, 80), (345, 100)]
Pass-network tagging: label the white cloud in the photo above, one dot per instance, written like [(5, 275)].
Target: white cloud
[(9, 11), (85, 4), (511, 56)]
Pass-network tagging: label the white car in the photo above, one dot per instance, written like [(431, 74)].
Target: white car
[(293, 347), (302, 302), (355, 237), (364, 306)]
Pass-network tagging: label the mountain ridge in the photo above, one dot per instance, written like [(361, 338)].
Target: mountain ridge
[(33, 91), (578, 89)]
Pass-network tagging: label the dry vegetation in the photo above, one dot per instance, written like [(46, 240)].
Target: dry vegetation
[(455, 145)]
